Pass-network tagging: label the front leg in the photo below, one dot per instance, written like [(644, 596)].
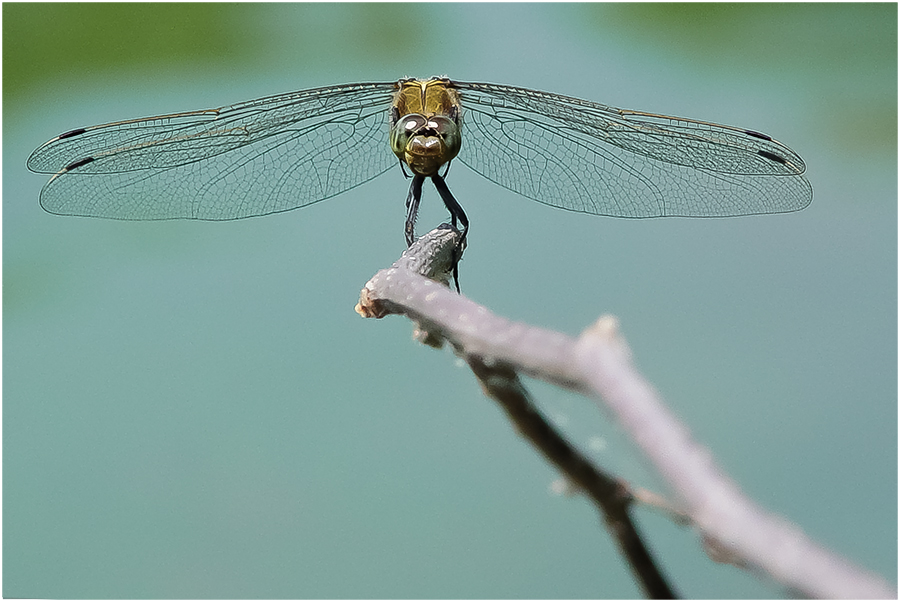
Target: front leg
[(412, 208), (456, 212)]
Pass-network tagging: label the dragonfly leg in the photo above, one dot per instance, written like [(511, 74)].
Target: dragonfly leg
[(412, 208), (456, 212)]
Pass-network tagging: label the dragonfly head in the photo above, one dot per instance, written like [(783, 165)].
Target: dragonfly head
[(425, 143)]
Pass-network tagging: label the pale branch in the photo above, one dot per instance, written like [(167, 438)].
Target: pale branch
[(598, 364)]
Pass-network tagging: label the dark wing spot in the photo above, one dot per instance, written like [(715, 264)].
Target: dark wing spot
[(758, 135), (72, 133), (772, 157), (78, 163)]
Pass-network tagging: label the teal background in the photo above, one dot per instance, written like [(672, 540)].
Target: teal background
[(194, 409)]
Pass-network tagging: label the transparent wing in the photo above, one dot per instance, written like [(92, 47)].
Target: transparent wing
[(263, 156), (591, 158)]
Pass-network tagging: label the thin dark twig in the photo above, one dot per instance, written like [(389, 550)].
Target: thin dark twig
[(610, 495)]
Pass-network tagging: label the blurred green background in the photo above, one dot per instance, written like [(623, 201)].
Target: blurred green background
[(194, 409)]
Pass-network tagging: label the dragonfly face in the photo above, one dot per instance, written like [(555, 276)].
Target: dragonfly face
[(425, 124)]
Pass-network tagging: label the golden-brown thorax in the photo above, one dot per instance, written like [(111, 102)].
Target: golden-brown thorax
[(428, 97)]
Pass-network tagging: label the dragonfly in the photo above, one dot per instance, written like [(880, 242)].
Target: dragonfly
[(282, 152)]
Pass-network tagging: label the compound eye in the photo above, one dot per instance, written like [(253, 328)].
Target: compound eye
[(441, 124), (411, 123), (447, 130), (405, 128)]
